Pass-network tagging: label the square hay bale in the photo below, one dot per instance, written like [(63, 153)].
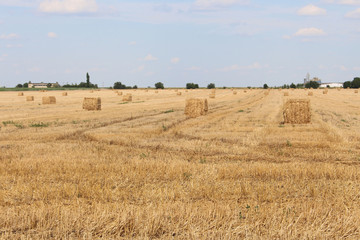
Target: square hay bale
[(178, 93), (266, 93), (49, 100), (234, 92), (297, 111), (356, 91), (339, 89), (42, 90), (212, 95), (245, 91), (176, 90), (286, 94), (195, 107), (20, 94), (146, 90), (310, 93), (325, 91), (156, 91), (120, 93), (29, 98), (127, 98), (92, 104), (186, 91), (64, 94)]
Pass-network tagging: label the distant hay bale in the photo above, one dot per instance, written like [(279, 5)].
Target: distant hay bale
[(127, 97), (119, 93), (266, 93), (64, 94), (234, 92), (29, 98), (310, 93), (297, 111), (92, 104), (156, 91), (356, 91), (286, 94), (42, 90), (325, 91), (146, 90), (178, 93), (212, 95), (213, 90), (186, 91), (20, 94), (245, 91), (91, 91), (339, 89), (176, 90), (49, 100), (195, 107)]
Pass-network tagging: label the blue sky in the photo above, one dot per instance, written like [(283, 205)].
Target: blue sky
[(228, 42)]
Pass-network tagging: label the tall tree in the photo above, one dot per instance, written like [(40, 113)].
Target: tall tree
[(87, 80)]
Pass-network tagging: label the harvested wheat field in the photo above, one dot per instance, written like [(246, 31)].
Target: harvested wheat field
[(144, 170)]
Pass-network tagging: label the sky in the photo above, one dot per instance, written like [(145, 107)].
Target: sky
[(233, 43)]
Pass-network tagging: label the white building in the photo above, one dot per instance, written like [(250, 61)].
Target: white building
[(331, 85)]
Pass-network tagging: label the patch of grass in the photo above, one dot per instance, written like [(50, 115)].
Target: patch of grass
[(241, 110), (124, 103), (343, 120), (139, 102), (169, 111), (18, 125), (288, 143), (40, 124), (5, 123)]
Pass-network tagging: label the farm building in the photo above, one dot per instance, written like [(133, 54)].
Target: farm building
[(331, 85), (42, 85)]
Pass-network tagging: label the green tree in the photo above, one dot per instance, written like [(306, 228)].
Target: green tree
[(191, 86), (25, 85), (159, 85), (87, 80), (19, 85), (312, 84), (265, 86), (119, 85), (135, 87), (355, 83), (292, 85), (211, 86), (48, 85), (347, 84)]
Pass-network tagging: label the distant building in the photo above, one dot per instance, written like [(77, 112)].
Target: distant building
[(315, 79), (331, 85), (42, 85)]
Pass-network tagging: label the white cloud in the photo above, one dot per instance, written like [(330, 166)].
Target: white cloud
[(353, 14), (9, 36), (218, 3), (236, 67), (34, 69), (311, 10), (68, 6), (132, 43), (52, 35), (150, 57), (14, 46), (349, 2), (309, 32), (175, 60), (193, 68)]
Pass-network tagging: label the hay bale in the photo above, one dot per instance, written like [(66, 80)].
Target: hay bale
[(49, 100), (286, 94), (176, 90), (20, 94), (234, 92), (213, 90), (245, 91), (91, 91), (29, 98), (356, 91), (266, 93), (64, 94), (92, 104), (42, 90), (156, 91), (127, 98), (325, 91), (120, 93), (195, 107), (310, 93), (178, 93), (297, 111), (212, 95), (146, 90), (186, 91)]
